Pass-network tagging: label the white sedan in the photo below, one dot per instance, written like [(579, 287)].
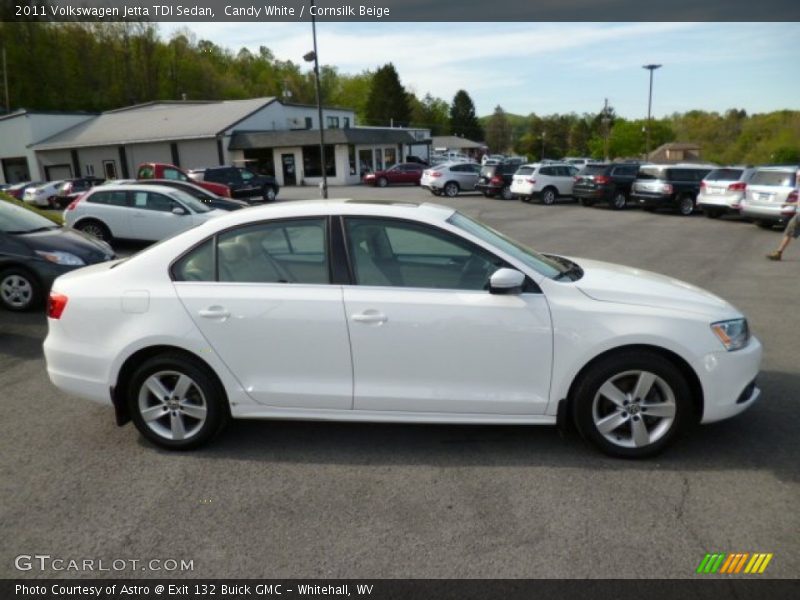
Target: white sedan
[(380, 312), (42, 195)]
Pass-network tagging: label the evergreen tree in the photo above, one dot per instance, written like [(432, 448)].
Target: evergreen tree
[(387, 101), (498, 131), (463, 121)]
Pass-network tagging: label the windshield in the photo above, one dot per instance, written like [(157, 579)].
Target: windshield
[(14, 219), (193, 203), (538, 262)]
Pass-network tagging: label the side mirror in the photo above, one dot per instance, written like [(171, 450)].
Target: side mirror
[(178, 211), (506, 281)]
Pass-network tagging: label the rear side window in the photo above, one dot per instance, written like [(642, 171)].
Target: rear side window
[(117, 198), (725, 175), (173, 174), (197, 265), (627, 171), (775, 178), (651, 173)]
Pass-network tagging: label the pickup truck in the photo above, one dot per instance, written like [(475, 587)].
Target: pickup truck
[(167, 171)]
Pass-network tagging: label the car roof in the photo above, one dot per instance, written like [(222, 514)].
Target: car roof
[(135, 187)]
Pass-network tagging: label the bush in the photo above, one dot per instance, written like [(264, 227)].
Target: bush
[(55, 217)]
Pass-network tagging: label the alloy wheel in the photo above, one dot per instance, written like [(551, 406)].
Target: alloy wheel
[(93, 230), (634, 409), (686, 206), (172, 405), (16, 291)]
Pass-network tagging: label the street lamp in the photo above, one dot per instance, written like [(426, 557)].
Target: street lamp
[(544, 134), (309, 57), (650, 68)]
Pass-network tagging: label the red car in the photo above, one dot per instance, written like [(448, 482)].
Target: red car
[(399, 173), (167, 171)]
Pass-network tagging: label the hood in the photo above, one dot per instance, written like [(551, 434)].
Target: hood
[(216, 212), (608, 282), (64, 239)]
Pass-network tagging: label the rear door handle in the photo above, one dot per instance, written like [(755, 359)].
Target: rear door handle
[(370, 316), (214, 312)]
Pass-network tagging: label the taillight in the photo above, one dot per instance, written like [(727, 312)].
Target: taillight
[(56, 304), (792, 197), (496, 180), (435, 174), (531, 180), (601, 179), (74, 203), (739, 186), (666, 188), (703, 185)]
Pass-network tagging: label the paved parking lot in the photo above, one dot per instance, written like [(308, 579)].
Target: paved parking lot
[(281, 499)]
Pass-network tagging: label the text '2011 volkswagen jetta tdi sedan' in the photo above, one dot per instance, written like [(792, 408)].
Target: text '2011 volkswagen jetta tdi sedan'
[(392, 312)]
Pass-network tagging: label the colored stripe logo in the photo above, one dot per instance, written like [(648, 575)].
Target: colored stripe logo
[(734, 563)]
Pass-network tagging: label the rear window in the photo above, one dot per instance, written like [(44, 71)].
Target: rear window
[(725, 175), (525, 171), (593, 170), (776, 178)]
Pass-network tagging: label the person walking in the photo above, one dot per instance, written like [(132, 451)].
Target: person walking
[(791, 232)]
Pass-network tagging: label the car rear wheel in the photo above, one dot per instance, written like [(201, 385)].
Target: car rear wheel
[(451, 189), (175, 403), (686, 205), (549, 196), (632, 404), (383, 182), (95, 229), (269, 193), (619, 201), (19, 290)]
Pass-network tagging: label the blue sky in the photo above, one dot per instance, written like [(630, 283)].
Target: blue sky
[(554, 67)]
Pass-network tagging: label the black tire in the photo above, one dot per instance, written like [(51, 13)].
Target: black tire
[(451, 189), (19, 290), (763, 224), (622, 369), (649, 209), (685, 205), (382, 182), (269, 193), (210, 391), (586, 202), (549, 196), (436, 192), (506, 194), (94, 228), (619, 200)]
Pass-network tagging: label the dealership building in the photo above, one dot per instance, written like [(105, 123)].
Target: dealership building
[(268, 134)]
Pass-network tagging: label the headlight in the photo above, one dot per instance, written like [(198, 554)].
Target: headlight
[(61, 258), (733, 334)]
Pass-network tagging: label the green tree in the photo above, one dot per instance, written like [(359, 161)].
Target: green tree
[(463, 121), (498, 131), (387, 102), (430, 113)]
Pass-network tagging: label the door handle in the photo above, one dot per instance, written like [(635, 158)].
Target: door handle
[(214, 312), (370, 316)]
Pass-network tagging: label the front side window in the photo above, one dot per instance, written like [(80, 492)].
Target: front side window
[(246, 175), (116, 198), (387, 252), (279, 252)]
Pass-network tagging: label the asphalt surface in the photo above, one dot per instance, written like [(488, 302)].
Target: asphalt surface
[(284, 499)]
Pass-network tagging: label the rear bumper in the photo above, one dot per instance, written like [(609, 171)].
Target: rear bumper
[(487, 188), (653, 200), (764, 213), (77, 368), (718, 202), (595, 194)]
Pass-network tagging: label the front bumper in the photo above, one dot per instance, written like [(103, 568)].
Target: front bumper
[(724, 377)]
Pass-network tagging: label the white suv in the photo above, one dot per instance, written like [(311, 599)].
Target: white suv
[(545, 182)]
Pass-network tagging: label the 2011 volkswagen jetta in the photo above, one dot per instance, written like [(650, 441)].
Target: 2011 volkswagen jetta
[(390, 312)]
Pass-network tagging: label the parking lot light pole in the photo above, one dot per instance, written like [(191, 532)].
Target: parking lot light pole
[(312, 56), (544, 134), (650, 68)]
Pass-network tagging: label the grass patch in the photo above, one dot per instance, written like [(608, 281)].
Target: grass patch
[(55, 217)]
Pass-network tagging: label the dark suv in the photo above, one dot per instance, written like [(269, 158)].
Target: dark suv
[(610, 183), (496, 180), (669, 186), (242, 182)]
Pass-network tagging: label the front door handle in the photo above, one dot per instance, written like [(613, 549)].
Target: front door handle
[(370, 316), (214, 312)]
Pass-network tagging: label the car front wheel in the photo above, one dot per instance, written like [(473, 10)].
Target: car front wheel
[(18, 290), (175, 403), (632, 404)]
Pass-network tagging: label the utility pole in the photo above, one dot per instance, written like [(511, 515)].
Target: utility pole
[(5, 80), (650, 68), (544, 134), (308, 58), (606, 120)]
